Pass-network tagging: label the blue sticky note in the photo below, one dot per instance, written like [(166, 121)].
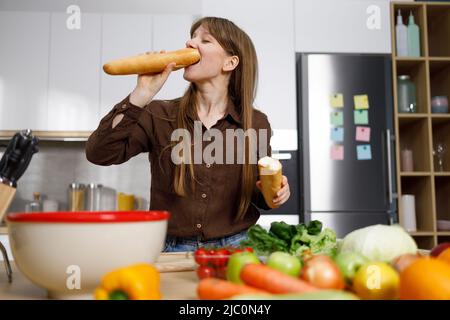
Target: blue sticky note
[(337, 134), (361, 116), (364, 152), (337, 118)]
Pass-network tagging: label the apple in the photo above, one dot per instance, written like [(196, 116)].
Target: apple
[(349, 263), (236, 262), (439, 248), (284, 262)]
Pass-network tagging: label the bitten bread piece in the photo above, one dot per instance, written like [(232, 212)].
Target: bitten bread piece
[(152, 62), (270, 174)]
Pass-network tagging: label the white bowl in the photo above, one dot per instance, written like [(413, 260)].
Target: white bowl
[(68, 253)]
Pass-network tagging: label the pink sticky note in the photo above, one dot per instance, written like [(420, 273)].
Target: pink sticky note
[(363, 134), (337, 152)]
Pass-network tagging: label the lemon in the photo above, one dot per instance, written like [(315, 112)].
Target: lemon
[(376, 281)]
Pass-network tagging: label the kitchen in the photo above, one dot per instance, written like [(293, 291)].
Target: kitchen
[(68, 93)]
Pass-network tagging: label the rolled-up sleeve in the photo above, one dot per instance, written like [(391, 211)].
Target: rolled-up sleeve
[(108, 145)]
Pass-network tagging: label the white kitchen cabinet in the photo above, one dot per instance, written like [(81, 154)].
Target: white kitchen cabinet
[(123, 35), (271, 27), (74, 73), (346, 26), (24, 41), (170, 32)]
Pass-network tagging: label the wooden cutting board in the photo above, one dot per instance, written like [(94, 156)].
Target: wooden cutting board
[(175, 262)]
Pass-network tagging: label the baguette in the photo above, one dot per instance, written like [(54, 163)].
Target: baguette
[(152, 62), (271, 176)]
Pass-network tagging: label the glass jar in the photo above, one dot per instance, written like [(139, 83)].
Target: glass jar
[(94, 197), (77, 196), (406, 97)]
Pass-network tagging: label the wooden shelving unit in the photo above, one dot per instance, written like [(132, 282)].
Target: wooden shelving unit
[(422, 130)]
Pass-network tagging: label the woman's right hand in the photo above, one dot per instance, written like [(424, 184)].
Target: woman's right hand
[(148, 85)]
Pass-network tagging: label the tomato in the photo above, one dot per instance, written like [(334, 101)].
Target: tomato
[(323, 273), (248, 249), (237, 250), (205, 272), (201, 256), (220, 257), (221, 272)]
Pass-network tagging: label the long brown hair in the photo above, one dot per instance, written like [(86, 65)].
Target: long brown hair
[(241, 90)]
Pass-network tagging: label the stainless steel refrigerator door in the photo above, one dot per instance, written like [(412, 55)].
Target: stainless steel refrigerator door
[(349, 185)]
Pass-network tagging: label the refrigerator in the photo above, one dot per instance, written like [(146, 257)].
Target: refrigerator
[(346, 141)]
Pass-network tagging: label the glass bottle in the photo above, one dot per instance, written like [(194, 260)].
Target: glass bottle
[(36, 204), (406, 96)]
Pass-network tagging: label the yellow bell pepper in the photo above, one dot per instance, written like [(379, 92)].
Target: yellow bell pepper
[(136, 282)]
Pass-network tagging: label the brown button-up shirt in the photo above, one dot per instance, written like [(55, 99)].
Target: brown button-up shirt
[(210, 209)]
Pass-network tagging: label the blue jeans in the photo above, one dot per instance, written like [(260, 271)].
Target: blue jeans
[(175, 244)]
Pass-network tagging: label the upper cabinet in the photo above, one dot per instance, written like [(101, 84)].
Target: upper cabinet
[(342, 26), (270, 25), (24, 39), (74, 72), (170, 32), (123, 35)]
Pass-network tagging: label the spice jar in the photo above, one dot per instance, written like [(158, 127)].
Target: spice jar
[(77, 196)]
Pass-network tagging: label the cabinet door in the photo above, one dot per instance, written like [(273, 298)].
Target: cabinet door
[(331, 26), (123, 35), (24, 39), (74, 82), (270, 25), (170, 32)]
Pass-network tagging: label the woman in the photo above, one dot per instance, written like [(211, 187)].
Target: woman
[(212, 203)]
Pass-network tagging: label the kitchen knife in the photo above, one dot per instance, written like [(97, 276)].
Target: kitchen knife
[(13, 164)]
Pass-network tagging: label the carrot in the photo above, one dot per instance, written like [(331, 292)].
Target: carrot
[(273, 281), (215, 289)]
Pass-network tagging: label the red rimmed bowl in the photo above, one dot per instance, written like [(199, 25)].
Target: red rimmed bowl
[(67, 253)]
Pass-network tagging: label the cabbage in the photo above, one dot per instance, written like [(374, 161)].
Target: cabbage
[(379, 242)]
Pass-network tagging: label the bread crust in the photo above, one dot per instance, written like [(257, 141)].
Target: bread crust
[(152, 62)]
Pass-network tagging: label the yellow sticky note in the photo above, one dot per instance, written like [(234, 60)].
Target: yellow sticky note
[(361, 101), (337, 100)]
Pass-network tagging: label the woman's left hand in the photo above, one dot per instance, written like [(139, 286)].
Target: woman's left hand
[(282, 195)]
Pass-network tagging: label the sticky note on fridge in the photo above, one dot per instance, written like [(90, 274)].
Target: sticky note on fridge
[(337, 118), (361, 101), (363, 152), (337, 100), (363, 134), (337, 152), (361, 116), (337, 134)]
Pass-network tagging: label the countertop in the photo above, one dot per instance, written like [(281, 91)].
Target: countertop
[(175, 285)]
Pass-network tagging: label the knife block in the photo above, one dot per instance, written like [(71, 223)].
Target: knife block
[(6, 196)]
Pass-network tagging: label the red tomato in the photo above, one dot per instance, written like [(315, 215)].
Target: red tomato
[(323, 273), (201, 256), (237, 250), (221, 272), (205, 272), (249, 249), (221, 257)]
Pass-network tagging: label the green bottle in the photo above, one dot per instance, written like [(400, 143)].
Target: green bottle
[(413, 38)]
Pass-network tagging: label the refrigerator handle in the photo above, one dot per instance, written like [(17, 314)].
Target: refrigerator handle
[(389, 161)]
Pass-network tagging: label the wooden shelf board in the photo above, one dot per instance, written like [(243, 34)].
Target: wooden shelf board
[(441, 174), (439, 59), (415, 174), (409, 59), (422, 233), (443, 233)]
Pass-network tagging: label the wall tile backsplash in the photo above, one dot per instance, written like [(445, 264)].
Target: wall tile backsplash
[(57, 164)]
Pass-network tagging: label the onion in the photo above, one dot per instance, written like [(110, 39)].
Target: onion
[(322, 272)]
